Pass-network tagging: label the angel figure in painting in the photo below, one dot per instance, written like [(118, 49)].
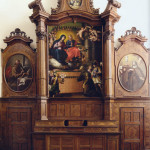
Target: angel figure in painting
[(93, 35), (80, 33)]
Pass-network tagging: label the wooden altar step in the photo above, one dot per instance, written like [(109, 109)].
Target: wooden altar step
[(77, 126), (95, 135)]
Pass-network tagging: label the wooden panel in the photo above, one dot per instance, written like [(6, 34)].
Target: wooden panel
[(61, 143), (112, 142), (79, 142), (38, 142), (53, 110), (91, 143), (75, 109), (132, 128), (19, 120), (61, 110)]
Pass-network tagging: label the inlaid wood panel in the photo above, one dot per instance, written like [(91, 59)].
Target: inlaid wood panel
[(91, 143), (39, 142), (19, 120), (73, 110), (132, 122), (112, 142), (81, 142), (61, 142)]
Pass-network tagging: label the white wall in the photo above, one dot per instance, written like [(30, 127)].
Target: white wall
[(15, 14)]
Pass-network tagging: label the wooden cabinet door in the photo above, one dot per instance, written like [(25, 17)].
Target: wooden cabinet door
[(132, 128), (19, 128)]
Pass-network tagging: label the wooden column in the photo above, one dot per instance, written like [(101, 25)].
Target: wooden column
[(39, 17), (42, 67), (110, 17)]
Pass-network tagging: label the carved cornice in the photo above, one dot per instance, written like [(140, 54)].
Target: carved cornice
[(108, 35), (112, 5), (18, 35), (38, 11), (36, 4), (133, 34), (41, 35), (110, 13)]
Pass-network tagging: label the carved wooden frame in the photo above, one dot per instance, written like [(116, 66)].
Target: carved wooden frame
[(131, 43), (62, 14), (18, 43)]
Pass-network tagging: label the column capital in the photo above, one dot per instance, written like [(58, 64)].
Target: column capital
[(108, 35), (41, 35)]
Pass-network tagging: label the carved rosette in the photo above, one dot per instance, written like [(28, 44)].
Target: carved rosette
[(41, 35), (108, 35)]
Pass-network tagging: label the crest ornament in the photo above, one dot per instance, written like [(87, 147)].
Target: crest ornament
[(75, 4)]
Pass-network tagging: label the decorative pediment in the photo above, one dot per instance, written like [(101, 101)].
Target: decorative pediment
[(18, 35), (133, 34), (75, 5)]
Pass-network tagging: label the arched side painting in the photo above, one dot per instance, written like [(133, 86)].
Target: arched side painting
[(132, 72), (75, 55), (18, 73)]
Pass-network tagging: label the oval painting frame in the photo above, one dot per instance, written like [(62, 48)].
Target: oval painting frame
[(132, 72), (75, 4), (18, 73)]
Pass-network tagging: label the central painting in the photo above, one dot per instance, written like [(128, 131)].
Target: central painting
[(74, 59)]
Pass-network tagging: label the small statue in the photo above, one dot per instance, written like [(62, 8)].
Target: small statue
[(96, 74), (88, 84), (53, 84)]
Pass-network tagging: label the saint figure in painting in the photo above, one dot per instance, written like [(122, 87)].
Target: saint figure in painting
[(72, 51), (17, 77)]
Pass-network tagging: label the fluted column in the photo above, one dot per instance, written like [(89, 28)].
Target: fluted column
[(42, 68), (109, 17)]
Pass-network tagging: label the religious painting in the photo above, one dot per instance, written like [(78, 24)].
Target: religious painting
[(75, 4), (132, 72), (75, 57), (18, 73)]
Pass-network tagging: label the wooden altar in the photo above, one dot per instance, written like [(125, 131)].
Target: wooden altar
[(113, 116)]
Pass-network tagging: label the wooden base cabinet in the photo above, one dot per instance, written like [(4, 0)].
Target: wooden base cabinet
[(75, 142)]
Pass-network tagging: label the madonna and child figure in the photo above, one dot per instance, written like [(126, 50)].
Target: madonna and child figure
[(65, 52)]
